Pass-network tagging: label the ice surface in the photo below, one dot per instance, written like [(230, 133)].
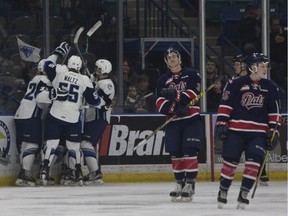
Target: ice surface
[(137, 199)]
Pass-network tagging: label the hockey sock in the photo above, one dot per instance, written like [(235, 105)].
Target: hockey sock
[(49, 150), (190, 164), (227, 175), (74, 151), (249, 175), (178, 168), (89, 156), (28, 155)]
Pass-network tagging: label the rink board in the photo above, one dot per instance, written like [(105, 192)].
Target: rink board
[(149, 162)]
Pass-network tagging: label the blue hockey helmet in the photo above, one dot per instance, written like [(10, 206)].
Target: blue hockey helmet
[(169, 51), (256, 58), (240, 58)]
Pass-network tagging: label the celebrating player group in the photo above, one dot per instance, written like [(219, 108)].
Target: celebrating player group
[(76, 108)]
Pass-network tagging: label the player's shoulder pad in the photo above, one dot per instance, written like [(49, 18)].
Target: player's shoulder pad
[(61, 68), (192, 71), (106, 85)]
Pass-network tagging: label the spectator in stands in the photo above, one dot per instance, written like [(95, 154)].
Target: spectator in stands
[(250, 30), (278, 52), (132, 99), (147, 98), (214, 96), (213, 77), (212, 73), (129, 77)]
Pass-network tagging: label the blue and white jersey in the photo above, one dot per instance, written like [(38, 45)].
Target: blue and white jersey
[(103, 113), (77, 85), (36, 96)]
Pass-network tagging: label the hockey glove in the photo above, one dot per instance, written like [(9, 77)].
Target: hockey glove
[(221, 130), (171, 94), (62, 49), (105, 97), (180, 110), (58, 94), (272, 143)]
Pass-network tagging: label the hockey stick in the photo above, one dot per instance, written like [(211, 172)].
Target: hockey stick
[(192, 102), (76, 44), (266, 153), (91, 31)]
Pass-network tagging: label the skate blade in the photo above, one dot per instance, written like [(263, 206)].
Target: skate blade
[(186, 199), (79, 183), (241, 206), (263, 183), (220, 205), (176, 199), (44, 180), (93, 183), (40, 182), (22, 183)]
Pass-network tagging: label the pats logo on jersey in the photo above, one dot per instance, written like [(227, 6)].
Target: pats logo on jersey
[(249, 100), (4, 144)]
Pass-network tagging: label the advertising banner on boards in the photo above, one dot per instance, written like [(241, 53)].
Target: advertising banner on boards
[(125, 132)]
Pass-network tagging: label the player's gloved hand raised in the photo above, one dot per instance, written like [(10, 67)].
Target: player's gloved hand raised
[(180, 110), (105, 97), (62, 49), (58, 94), (221, 130), (272, 143), (171, 94)]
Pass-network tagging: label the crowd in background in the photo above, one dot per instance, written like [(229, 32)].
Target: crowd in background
[(138, 84)]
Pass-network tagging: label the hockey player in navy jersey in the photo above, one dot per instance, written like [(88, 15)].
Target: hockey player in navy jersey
[(96, 121), (64, 116), (240, 65), (184, 135), (28, 120), (247, 117)]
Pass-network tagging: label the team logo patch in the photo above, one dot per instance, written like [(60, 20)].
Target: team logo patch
[(245, 88), (249, 100), (5, 140)]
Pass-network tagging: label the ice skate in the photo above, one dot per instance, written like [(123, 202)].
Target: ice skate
[(44, 174), (264, 180), (50, 181), (68, 178), (242, 200), (176, 194), (222, 199), (187, 192), (64, 172), (39, 181), (78, 175), (25, 179), (93, 178)]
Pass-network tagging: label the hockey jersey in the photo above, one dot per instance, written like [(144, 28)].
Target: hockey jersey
[(104, 113), (77, 85), (37, 94), (188, 83), (250, 106)]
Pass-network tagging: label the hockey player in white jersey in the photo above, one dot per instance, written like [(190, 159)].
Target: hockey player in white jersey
[(96, 121), (64, 116), (28, 122)]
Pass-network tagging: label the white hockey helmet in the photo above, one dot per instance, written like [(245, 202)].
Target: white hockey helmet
[(104, 65), (40, 66), (74, 62)]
